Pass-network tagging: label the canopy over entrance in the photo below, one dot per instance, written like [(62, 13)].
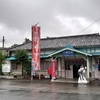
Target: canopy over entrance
[(68, 47)]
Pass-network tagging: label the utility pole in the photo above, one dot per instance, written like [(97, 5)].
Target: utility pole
[(3, 40)]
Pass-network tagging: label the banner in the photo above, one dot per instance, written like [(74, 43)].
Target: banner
[(35, 49), (54, 69)]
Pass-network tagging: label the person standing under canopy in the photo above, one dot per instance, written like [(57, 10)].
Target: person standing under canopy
[(81, 71)]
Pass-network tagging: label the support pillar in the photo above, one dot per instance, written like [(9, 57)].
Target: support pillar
[(88, 67), (63, 70), (59, 68)]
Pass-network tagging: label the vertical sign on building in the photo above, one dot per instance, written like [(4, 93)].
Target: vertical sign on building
[(35, 49), (96, 70), (53, 69)]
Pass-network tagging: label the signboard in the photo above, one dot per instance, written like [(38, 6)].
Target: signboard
[(95, 66), (68, 53), (53, 69), (6, 67), (35, 49), (96, 70)]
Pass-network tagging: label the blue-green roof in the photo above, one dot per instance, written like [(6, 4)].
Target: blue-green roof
[(11, 58), (96, 53), (30, 57)]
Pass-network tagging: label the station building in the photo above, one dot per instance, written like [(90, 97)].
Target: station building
[(70, 53)]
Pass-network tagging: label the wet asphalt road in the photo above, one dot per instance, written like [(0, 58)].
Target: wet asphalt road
[(34, 90)]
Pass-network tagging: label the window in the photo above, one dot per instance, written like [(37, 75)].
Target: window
[(13, 66), (67, 67), (45, 64), (99, 67)]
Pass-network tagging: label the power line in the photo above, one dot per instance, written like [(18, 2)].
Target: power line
[(89, 25)]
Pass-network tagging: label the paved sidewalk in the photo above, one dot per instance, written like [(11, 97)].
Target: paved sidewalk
[(66, 80), (58, 80)]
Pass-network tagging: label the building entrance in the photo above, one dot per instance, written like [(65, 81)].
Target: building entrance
[(75, 71)]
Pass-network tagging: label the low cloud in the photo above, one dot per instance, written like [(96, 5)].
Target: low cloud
[(55, 17)]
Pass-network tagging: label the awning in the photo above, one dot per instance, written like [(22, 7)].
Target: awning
[(30, 57), (43, 56), (71, 49), (11, 58), (95, 53)]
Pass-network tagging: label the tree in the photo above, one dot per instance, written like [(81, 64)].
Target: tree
[(2, 59), (27, 67), (47, 37), (21, 57), (14, 45), (26, 40)]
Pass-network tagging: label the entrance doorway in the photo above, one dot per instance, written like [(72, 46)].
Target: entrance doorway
[(75, 71)]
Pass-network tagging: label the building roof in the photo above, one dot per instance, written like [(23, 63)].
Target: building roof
[(77, 41), (3, 48)]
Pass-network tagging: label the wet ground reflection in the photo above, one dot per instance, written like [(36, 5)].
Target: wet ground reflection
[(30, 90)]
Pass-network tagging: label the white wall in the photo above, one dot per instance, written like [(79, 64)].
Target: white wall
[(69, 73), (6, 67)]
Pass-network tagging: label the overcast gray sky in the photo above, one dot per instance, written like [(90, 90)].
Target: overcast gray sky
[(55, 17)]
